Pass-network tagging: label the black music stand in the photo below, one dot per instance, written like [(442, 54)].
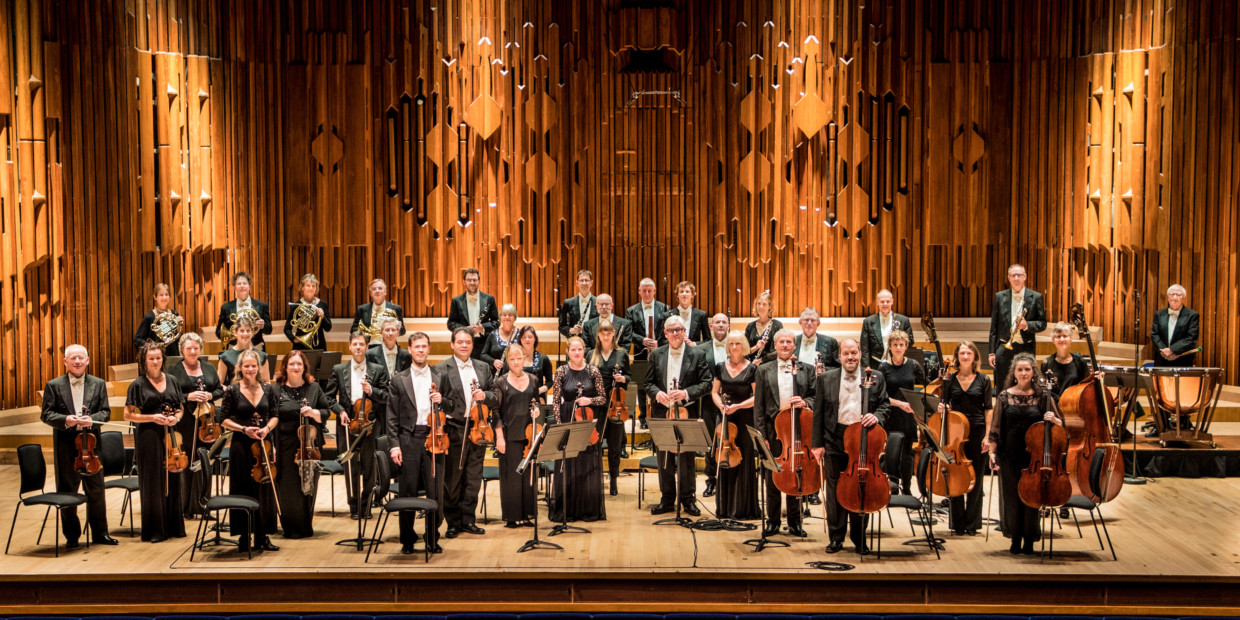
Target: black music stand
[(925, 405), (675, 437), (1135, 381), (361, 540), (563, 442), (766, 461), (535, 456)]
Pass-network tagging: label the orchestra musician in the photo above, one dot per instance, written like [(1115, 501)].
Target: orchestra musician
[(813, 348), (581, 385), (462, 482), (298, 396), (693, 372), (244, 305), (876, 330), (694, 318), (72, 404), (902, 373), (1005, 321), (646, 318), (226, 367), (715, 346), (498, 340), (775, 389), (968, 392), (163, 305), (761, 331), (153, 403), (309, 295), (474, 310), (248, 409), (1064, 367), (351, 381), (392, 358), (515, 390), (199, 383), (622, 326), (612, 363), (372, 316), (408, 427), (735, 378), (837, 404), (1175, 330), (571, 323), (537, 365)]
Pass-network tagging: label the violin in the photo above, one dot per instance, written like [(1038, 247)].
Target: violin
[(677, 412), (1045, 482), (437, 439), (264, 469), (363, 409), (727, 455), (618, 412), (307, 439), (174, 457), (793, 427), (480, 418), (863, 487), (531, 430), (1086, 408), (208, 429), (86, 463), (583, 414)]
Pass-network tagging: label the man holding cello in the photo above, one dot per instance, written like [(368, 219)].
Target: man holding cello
[(781, 386)]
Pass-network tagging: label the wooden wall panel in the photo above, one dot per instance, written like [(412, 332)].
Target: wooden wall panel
[(822, 149)]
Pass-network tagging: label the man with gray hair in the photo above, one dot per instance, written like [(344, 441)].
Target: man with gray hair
[(606, 312), (680, 375), (812, 348), (877, 327), (76, 403), (1175, 330)]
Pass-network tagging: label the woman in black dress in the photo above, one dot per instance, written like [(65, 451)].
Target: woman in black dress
[(198, 383), (1064, 369), (153, 403), (968, 392), (761, 331), (163, 303), (310, 296), (537, 365), (734, 380), (517, 394), (579, 385), (248, 409), (498, 340), (613, 365), (1023, 403), (902, 373), (227, 366), (298, 397)]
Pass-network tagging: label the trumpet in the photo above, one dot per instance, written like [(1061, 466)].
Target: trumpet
[(1016, 326), (168, 326), (226, 332), (306, 322)]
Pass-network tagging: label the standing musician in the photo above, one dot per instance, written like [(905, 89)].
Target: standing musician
[(1005, 322), (694, 318), (901, 373), (606, 312), (1064, 368), (813, 348), (474, 310), (462, 482), (244, 305), (248, 409), (393, 359), (571, 311), (408, 427), (735, 379), (517, 394), (646, 317), (691, 368), (226, 367), (372, 316), (309, 297), (837, 404), (612, 362), (761, 331), (199, 383), (968, 391), (153, 402), (352, 381), (498, 340), (72, 404), (1175, 329), (298, 396), (537, 365), (581, 385), (162, 312), (775, 389), (876, 330), (715, 346)]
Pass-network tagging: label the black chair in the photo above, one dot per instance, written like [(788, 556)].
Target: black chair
[(648, 463), (489, 473), (33, 477), (911, 504), (217, 504), (1080, 502), (112, 455), (383, 480)]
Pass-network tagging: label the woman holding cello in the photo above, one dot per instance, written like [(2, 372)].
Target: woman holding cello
[(199, 383), (249, 411), (902, 373), (967, 391), (1024, 403), (613, 364), (301, 406), (579, 396), (515, 391), (153, 403), (734, 381)]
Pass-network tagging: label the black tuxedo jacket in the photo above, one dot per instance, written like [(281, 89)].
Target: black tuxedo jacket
[(404, 359), (637, 319), (827, 347), (404, 407), (1001, 318), (58, 405), (229, 308), (697, 372), (363, 316), (319, 342), (827, 407), (698, 329), (624, 332), (570, 314), (488, 314), (340, 383), (766, 393), (1184, 338), (456, 400), (872, 337)]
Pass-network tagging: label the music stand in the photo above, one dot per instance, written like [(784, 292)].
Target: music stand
[(925, 405), (563, 442), (765, 461), (535, 456), (683, 436), (1134, 381)]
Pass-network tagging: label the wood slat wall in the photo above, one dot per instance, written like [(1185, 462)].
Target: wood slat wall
[(822, 149)]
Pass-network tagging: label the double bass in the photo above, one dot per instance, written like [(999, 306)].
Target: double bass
[(794, 426), (87, 462), (863, 487), (1086, 408), (1045, 482), (953, 476)]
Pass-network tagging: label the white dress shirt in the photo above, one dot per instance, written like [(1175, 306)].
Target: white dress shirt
[(885, 324), (583, 303), (648, 318), (1172, 317), (358, 372), (686, 315), (389, 355), (675, 359), (471, 307), (720, 347), (421, 391), (1018, 303), (243, 304), (787, 383), (809, 350), (77, 388), (850, 398), (468, 376)]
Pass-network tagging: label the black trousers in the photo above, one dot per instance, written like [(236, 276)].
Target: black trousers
[(774, 506), (672, 466), (461, 484), (614, 434), (711, 415), (840, 521), (415, 473), (67, 481), (360, 471), (639, 371)]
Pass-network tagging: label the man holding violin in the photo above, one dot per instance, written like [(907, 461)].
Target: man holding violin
[(355, 381), (463, 478), (783, 385), (693, 373), (413, 396), (837, 404), (74, 402)]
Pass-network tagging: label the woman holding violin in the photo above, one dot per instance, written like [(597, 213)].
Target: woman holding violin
[(537, 365), (517, 394), (967, 391), (1025, 402), (579, 396), (153, 404), (613, 364), (902, 373), (199, 383), (248, 410), (301, 406), (733, 393)]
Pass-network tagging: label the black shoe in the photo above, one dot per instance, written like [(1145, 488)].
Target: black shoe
[(434, 548), (1064, 513), (472, 529), (406, 549), (835, 546), (353, 516), (267, 546), (805, 511), (691, 510), (970, 532), (863, 550), (624, 454), (1014, 549), (710, 489), (526, 523), (796, 530), (452, 532), (72, 544), (1027, 548), (615, 490), (512, 525), (105, 540), (662, 509), (813, 500), (771, 530), (157, 539), (644, 424)]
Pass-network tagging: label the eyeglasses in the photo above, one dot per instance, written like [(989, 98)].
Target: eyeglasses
[(674, 330)]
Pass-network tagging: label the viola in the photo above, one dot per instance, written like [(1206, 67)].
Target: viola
[(264, 469), (793, 427), (363, 409), (1045, 482), (727, 454), (531, 430), (437, 439), (208, 429), (618, 411), (584, 414), (307, 439), (863, 487), (87, 462), (481, 431), (1086, 409)]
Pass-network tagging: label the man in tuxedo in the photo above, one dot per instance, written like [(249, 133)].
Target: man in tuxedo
[(1004, 313), (353, 380), (878, 326), (695, 318), (462, 483), (407, 430), (715, 347), (646, 318), (75, 402), (813, 348), (583, 303), (837, 404), (1175, 330), (606, 312), (784, 384), (366, 313), (693, 373), (229, 311), (474, 310)]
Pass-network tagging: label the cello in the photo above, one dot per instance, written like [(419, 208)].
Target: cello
[(1086, 408), (863, 487), (86, 463), (1045, 483), (793, 426), (954, 476), (727, 454)]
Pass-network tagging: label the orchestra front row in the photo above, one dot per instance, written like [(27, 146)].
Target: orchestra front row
[(391, 404)]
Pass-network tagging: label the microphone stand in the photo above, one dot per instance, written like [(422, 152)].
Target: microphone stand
[(1136, 477)]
